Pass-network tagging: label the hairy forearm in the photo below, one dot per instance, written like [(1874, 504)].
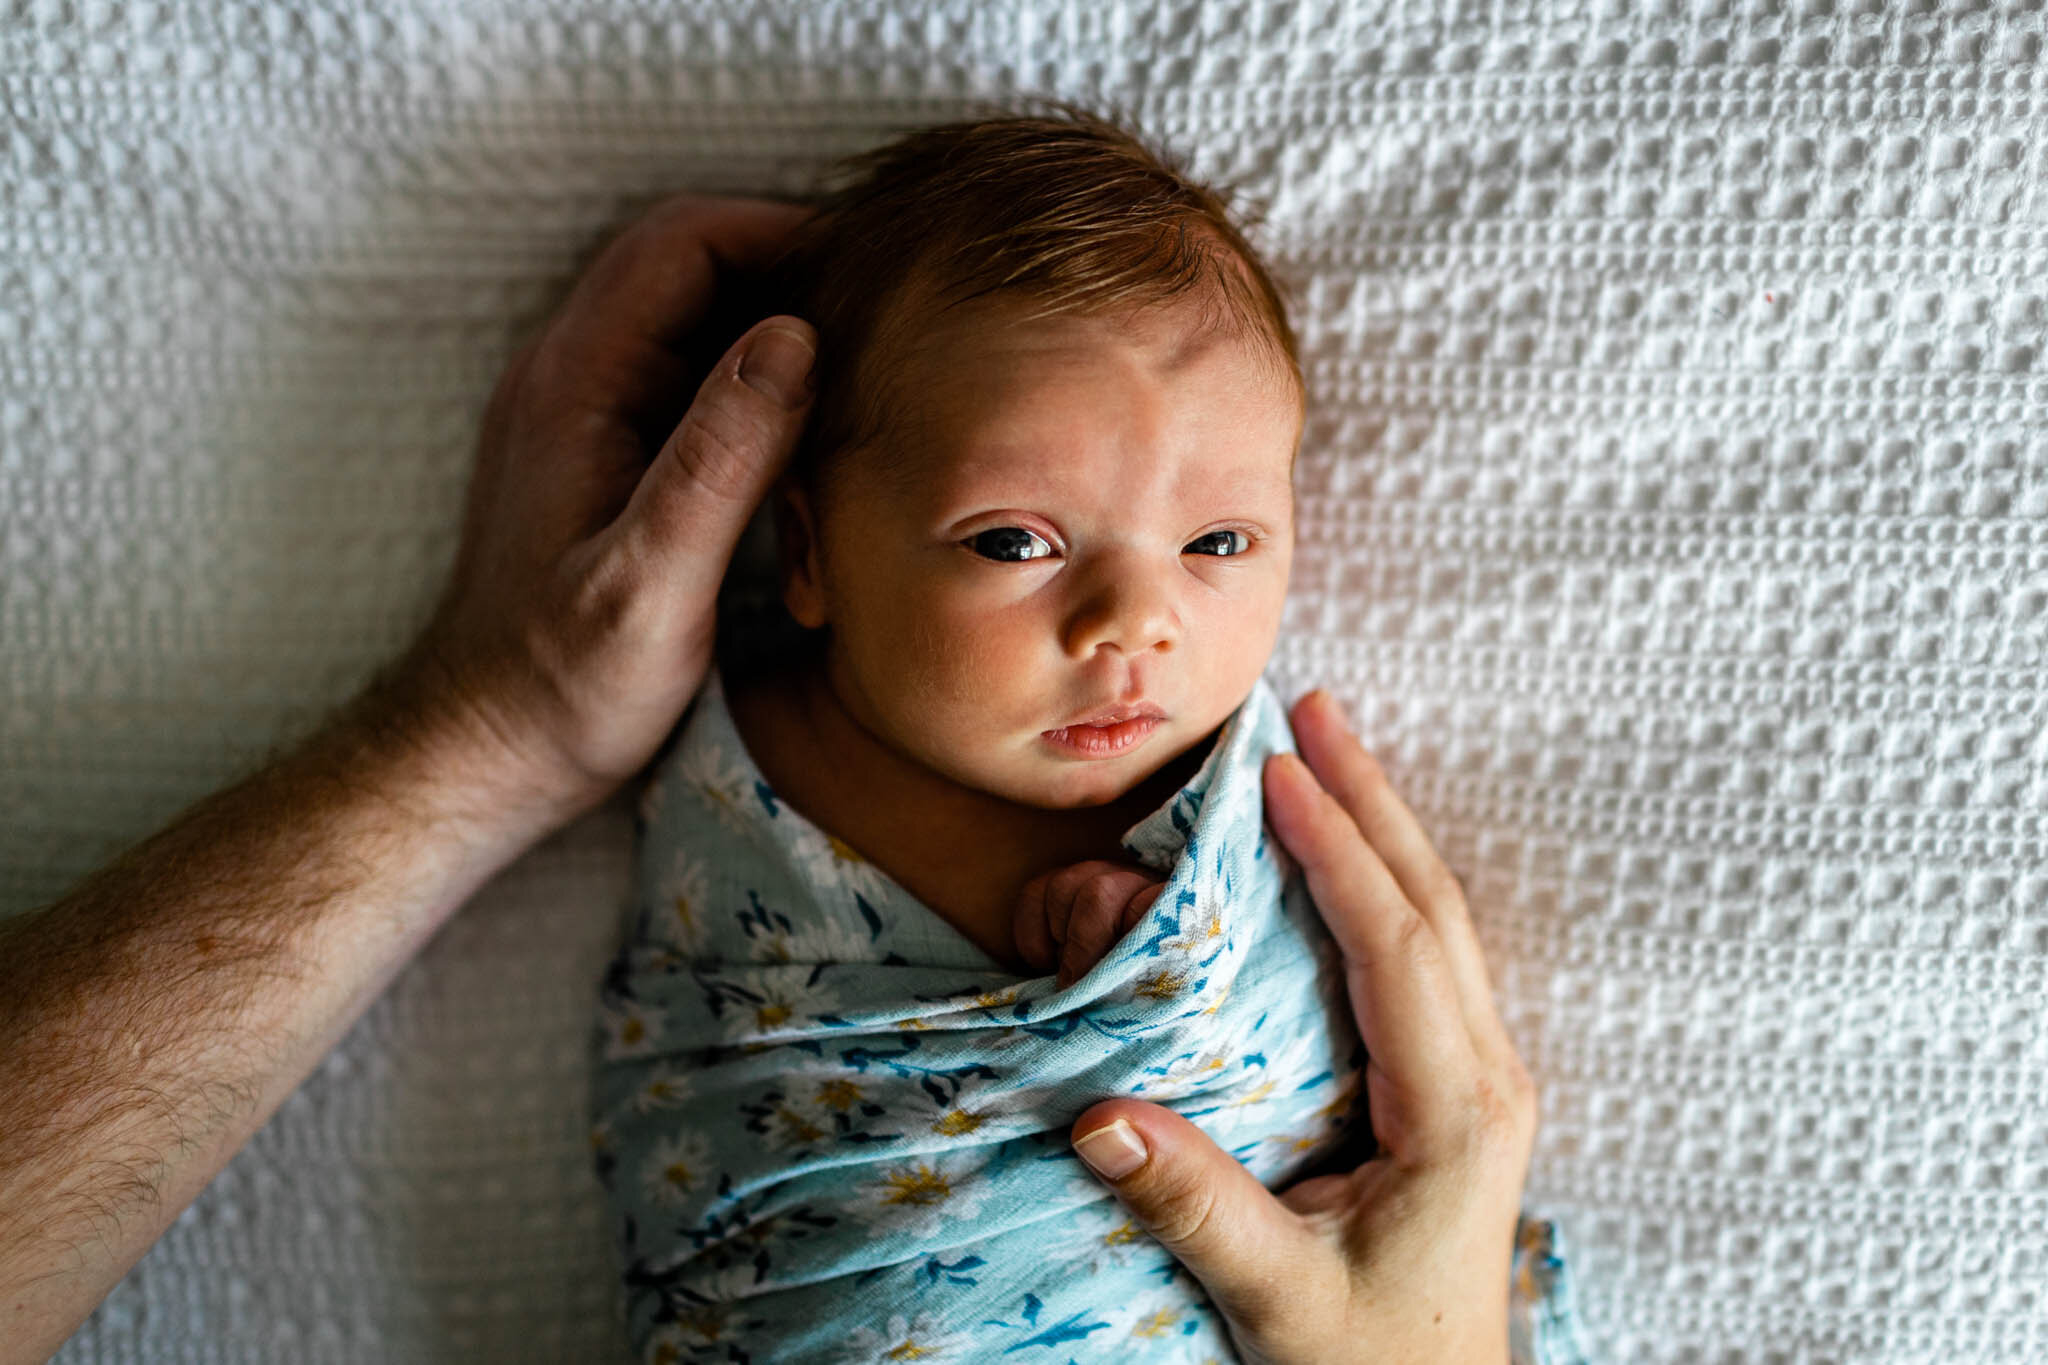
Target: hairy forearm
[(155, 1017)]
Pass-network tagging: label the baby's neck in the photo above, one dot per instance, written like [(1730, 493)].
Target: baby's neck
[(964, 852)]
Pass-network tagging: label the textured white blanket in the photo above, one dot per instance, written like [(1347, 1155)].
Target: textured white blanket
[(1672, 516)]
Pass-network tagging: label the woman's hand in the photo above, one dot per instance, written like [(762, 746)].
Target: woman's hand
[(1073, 915), (578, 619), (1407, 1257)]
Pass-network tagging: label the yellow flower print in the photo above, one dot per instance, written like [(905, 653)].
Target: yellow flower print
[(679, 902), (665, 1089), (839, 1095), (631, 1029), (722, 781), (1111, 1240), (919, 1185), (676, 1169), (769, 1002), (1162, 985), (1158, 1323), (920, 1197), (792, 1129), (923, 1339), (957, 1123), (831, 864)]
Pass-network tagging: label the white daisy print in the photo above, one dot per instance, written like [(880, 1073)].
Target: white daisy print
[(729, 1284), (1096, 1240), (919, 1195), (923, 1339), (829, 861), (667, 1088), (763, 1004), (679, 903), (1191, 1073), (724, 782), (1146, 1321), (1201, 930), (631, 1029), (975, 1110), (822, 939), (677, 1169)]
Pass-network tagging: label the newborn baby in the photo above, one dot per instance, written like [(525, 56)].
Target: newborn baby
[(1035, 546)]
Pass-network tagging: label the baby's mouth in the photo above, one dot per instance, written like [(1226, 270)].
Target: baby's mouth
[(1117, 735)]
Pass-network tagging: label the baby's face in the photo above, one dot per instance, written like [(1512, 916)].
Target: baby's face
[(1084, 513)]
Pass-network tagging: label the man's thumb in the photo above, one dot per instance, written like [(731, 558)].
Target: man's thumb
[(1241, 1242), (691, 505)]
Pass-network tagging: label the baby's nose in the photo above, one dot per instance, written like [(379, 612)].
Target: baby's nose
[(1133, 614)]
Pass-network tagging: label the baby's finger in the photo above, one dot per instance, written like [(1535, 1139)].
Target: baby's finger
[(1403, 994), (1136, 906), (1065, 884), (1091, 928), (1029, 926), (1355, 778)]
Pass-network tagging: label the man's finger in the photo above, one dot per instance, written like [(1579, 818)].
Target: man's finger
[(654, 280), (689, 508), (1244, 1245), (1352, 776), (1402, 992)]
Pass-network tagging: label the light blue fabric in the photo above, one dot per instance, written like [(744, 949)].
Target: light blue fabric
[(833, 1129)]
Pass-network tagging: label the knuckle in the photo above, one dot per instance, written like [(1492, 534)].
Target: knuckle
[(1499, 1122), (1184, 1213), (1445, 887), (1410, 934), (716, 450), (1099, 898)]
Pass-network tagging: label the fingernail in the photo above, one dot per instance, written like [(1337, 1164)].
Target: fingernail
[(778, 363), (1112, 1152)]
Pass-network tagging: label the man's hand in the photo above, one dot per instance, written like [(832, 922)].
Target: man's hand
[(1073, 915), (157, 1015), (578, 620), (1405, 1258)]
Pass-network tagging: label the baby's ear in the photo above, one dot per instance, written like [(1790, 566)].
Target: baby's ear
[(796, 547)]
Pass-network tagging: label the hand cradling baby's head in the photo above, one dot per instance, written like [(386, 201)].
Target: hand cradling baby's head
[(1048, 478)]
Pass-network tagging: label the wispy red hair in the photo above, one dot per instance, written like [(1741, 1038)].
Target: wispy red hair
[(1067, 209)]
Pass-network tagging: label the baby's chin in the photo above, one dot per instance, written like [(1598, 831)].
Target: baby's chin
[(1057, 783)]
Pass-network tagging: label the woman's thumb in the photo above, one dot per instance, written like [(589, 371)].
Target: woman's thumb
[(1201, 1205), (690, 507)]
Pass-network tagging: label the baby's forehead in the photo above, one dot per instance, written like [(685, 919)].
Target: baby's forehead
[(1058, 420)]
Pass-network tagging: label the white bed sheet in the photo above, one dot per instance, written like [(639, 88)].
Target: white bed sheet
[(1672, 516)]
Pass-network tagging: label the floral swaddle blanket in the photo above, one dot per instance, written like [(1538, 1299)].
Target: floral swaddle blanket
[(832, 1129)]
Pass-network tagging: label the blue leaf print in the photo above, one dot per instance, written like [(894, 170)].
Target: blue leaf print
[(1070, 1328), (767, 796), (867, 912), (934, 1268)]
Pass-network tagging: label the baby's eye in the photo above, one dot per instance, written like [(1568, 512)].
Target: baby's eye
[(1008, 545), (1229, 544)]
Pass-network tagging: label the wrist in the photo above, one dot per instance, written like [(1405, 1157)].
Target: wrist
[(410, 737)]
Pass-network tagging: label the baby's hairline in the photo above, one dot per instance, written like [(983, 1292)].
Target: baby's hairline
[(886, 349)]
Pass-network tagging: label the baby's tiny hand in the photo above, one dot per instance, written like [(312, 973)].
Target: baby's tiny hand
[(1073, 915)]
